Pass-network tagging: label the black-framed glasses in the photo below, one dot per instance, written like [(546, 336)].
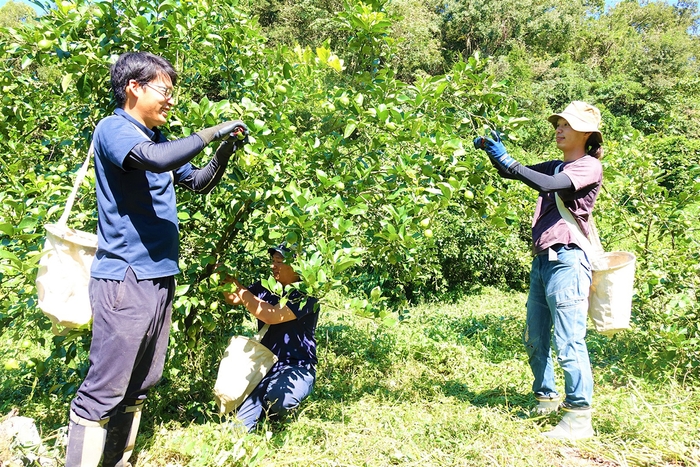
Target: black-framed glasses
[(162, 90)]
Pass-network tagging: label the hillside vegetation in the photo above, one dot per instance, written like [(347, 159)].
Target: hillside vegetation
[(362, 117)]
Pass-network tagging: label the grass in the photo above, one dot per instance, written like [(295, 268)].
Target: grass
[(450, 386)]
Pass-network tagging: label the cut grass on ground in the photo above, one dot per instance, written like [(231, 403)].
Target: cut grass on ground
[(450, 386)]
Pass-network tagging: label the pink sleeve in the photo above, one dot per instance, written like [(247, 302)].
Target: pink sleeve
[(584, 172)]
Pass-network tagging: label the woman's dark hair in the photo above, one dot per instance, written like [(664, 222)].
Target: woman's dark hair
[(593, 147), (143, 67)]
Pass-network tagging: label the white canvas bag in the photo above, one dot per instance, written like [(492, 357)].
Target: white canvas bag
[(612, 284), (244, 364), (64, 268)]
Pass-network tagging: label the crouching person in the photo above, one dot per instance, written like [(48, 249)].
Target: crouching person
[(291, 337)]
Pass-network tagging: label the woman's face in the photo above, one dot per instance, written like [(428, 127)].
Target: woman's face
[(282, 272), (569, 139)]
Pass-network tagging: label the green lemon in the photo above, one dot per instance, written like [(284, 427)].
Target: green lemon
[(45, 44), (11, 364)]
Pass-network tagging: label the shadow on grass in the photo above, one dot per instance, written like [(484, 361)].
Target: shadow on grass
[(497, 335), (361, 362), (507, 398)]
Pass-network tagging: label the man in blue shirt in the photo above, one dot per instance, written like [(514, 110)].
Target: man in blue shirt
[(290, 336), (132, 277)]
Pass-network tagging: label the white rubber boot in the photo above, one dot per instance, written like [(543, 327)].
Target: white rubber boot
[(546, 405), (574, 425), (86, 440)]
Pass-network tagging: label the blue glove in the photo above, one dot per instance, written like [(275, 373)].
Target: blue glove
[(479, 142), (496, 150)]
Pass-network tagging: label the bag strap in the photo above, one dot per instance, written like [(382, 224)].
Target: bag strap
[(259, 336), (590, 245), (80, 176)]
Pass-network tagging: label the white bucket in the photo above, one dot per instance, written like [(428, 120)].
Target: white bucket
[(612, 287)]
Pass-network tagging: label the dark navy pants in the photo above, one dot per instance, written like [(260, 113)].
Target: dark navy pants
[(280, 391), (131, 323)]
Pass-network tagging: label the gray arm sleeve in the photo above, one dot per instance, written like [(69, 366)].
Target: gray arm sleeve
[(163, 157), (543, 183), (205, 179)]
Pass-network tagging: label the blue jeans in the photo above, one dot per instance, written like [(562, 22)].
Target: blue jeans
[(559, 297), (280, 391)]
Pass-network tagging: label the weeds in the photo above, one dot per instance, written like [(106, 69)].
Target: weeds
[(449, 386)]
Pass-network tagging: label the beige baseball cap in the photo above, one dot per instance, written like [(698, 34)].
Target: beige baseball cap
[(581, 117)]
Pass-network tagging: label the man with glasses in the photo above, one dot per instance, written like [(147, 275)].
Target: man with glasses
[(132, 277)]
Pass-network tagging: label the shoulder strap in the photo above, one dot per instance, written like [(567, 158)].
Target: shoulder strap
[(259, 336), (591, 244), (78, 181)]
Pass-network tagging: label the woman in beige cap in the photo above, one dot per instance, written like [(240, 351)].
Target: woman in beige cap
[(561, 273)]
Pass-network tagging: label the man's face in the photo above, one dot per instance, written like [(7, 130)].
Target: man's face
[(282, 272), (154, 100)]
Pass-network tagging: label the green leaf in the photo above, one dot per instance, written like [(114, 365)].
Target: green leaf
[(12, 257), (7, 229), (345, 264), (28, 60), (287, 71), (181, 290), (66, 82), (323, 54), (441, 88), (336, 63), (28, 223), (322, 177), (349, 129)]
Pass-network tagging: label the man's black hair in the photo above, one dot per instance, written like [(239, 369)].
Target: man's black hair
[(143, 67)]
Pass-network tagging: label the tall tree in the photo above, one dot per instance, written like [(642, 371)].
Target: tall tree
[(14, 13)]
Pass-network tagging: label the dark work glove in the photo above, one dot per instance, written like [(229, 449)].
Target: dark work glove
[(236, 141), (225, 151), (495, 149), (221, 131), (239, 137)]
